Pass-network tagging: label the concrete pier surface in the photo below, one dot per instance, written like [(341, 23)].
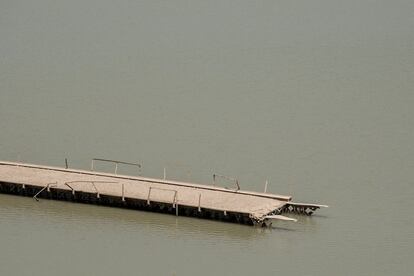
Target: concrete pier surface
[(151, 194)]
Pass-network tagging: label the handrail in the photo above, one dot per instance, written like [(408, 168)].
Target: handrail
[(171, 190), (236, 181), (44, 188), (116, 164), (87, 181), (146, 179)]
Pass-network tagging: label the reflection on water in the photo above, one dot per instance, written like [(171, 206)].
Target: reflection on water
[(89, 216)]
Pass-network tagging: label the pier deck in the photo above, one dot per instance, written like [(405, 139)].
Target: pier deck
[(145, 193)]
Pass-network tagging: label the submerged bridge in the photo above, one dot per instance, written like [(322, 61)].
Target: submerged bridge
[(151, 194)]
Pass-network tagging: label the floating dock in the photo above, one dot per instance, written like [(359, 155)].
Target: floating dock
[(150, 194)]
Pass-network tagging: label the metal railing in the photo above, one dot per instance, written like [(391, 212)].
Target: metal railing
[(93, 184), (48, 185), (139, 166), (175, 199), (227, 178)]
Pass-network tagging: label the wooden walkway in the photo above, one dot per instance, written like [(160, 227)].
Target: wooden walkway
[(256, 206)]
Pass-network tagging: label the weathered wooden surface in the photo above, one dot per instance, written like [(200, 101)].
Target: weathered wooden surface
[(257, 205)]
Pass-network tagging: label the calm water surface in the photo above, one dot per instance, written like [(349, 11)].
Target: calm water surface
[(316, 96)]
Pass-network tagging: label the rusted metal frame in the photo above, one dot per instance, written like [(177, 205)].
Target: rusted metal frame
[(116, 164), (236, 181), (44, 188)]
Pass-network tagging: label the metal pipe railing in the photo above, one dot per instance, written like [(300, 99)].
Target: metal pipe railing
[(236, 181), (116, 162), (44, 188), (175, 199), (93, 184)]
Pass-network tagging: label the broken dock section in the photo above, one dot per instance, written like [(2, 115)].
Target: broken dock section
[(151, 194)]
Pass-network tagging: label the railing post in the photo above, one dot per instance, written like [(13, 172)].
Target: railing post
[(265, 189), (123, 192), (165, 173), (176, 204), (96, 189), (149, 193), (116, 168), (199, 202)]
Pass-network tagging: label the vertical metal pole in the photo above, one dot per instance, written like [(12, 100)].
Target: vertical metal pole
[(148, 199), (66, 163), (175, 199), (123, 192), (165, 173), (176, 203), (92, 165), (199, 202), (116, 167), (265, 189)]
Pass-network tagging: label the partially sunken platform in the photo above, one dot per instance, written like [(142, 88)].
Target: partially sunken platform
[(141, 193)]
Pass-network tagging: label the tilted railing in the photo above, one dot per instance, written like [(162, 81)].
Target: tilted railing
[(139, 166), (227, 178), (93, 184)]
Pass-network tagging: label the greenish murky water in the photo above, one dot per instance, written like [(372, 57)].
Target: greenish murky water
[(316, 96)]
